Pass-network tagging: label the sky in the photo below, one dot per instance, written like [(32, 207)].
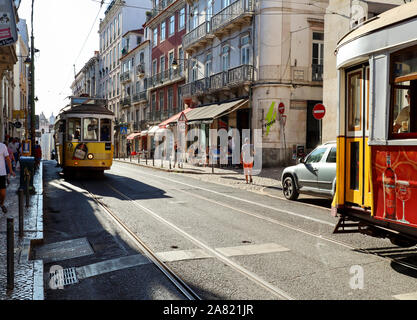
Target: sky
[(61, 34)]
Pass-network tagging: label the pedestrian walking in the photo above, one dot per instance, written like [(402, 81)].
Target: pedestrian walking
[(17, 147), (247, 159), (38, 154), (175, 154), (5, 160)]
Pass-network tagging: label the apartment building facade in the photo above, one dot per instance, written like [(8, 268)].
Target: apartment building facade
[(21, 89), (350, 14), (167, 26), (87, 79), (135, 70), (120, 17), (258, 54)]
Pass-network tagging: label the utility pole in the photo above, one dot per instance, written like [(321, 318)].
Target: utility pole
[(32, 88)]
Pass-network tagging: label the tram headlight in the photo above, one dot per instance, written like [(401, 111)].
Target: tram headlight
[(90, 156)]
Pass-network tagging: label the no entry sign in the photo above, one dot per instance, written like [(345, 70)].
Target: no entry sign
[(319, 111), (281, 108)]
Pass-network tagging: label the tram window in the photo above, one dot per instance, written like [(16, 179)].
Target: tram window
[(74, 128), (90, 129), (403, 113), (316, 155), (105, 128), (401, 110), (354, 100)]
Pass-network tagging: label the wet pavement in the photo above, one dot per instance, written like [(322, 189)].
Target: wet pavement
[(28, 280)]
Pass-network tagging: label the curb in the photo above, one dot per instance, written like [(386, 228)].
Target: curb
[(159, 168)]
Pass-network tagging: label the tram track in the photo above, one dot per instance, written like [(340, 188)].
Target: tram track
[(180, 284), (289, 226)]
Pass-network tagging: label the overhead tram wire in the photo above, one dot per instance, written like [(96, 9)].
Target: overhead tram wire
[(82, 47)]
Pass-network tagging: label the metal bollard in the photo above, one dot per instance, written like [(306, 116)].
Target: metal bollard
[(27, 190), (21, 218), (146, 158), (10, 254)]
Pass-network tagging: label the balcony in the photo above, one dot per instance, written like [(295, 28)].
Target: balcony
[(317, 72), (232, 16), (199, 36), (166, 76), (125, 76), (234, 77), (126, 101), (140, 97)]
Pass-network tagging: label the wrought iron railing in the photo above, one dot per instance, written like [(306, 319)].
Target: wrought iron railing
[(231, 12), (196, 34), (233, 77), (317, 72)]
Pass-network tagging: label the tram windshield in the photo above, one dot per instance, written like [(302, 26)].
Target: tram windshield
[(403, 99), (90, 126), (74, 129)]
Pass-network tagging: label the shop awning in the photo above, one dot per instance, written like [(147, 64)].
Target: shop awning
[(152, 130), (174, 118), (144, 132), (214, 111), (133, 135)]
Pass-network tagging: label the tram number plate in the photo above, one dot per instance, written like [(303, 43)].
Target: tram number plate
[(108, 146)]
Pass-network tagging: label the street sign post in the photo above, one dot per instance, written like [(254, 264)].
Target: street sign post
[(319, 111)]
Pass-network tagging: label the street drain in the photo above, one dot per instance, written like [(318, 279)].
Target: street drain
[(62, 277), (246, 241), (174, 247)]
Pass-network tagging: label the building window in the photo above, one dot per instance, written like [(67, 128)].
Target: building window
[(161, 100), (181, 19), (194, 70), (225, 3), (170, 99), (181, 59), (163, 31), (153, 101), (225, 58), (162, 64), (245, 56), (195, 17), (154, 66), (318, 53), (155, 37), (209, 65), (171, 25)]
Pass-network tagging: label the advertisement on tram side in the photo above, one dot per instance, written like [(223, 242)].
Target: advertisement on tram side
[(394, 175)]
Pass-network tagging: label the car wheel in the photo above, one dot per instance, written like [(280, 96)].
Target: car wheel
[(289, 188)]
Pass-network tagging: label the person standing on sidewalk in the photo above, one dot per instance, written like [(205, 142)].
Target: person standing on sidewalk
[(4, 155), (247, 159), (12, 160)]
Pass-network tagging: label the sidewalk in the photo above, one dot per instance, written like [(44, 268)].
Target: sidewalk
[(28, 281), (267, 182)]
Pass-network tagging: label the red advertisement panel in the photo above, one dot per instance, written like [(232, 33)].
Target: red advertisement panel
[(394, 178)]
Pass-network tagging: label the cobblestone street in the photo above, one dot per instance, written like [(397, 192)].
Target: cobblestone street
[(28, 281)]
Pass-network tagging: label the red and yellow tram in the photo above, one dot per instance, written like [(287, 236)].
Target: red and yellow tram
[(377, 127)]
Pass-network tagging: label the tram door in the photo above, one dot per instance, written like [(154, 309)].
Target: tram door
[(357, 156)]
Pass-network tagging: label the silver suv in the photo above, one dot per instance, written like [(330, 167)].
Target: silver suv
[(315, 174)]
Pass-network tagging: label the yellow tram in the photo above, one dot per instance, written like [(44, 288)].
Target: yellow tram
[(83, 135), (377, 127)]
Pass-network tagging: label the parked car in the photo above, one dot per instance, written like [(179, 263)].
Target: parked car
[(315, 174)]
